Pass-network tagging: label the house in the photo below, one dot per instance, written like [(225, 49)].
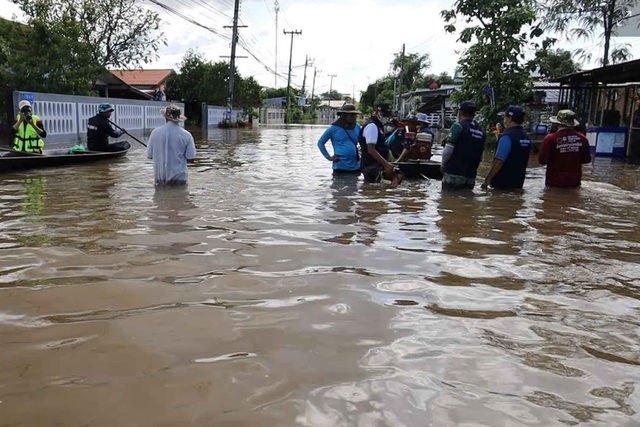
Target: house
[(148, 81), (109, 85), (436, 103)]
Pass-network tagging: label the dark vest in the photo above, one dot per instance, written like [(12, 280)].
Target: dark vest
[(467, 153), (97, 137), (511, 176), (381, 146)]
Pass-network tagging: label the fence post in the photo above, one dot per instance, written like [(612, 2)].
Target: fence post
[(205, 115)]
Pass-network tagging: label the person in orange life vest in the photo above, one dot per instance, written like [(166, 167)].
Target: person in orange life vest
[(29, 130)]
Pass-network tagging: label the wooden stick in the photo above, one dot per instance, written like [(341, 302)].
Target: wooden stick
[(127, 132)]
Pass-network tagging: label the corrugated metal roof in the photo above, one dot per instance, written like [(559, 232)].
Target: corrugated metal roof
[(143, 77)]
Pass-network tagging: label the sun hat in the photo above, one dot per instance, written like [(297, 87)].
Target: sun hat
[(24, 103), (565, 118), (105, 108), (173, 114), (422, 117), (348, 109)]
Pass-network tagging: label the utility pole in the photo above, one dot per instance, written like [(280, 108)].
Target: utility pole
[(313, 86), (331, 84), (276, 7), (304, 79), (396, 98), (232, 61), (293, 33)]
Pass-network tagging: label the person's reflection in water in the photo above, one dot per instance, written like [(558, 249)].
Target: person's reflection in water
[(503, 223), (344, 189), (171, 209), (563, 211), (460, 219), (34, 201)]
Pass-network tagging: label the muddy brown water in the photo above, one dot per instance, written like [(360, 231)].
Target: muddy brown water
[(268, 293)]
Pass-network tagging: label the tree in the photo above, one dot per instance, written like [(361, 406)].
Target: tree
[(379, 91), (118, 33), (588, 18), (410, 67), (199, 80), (45, 57), (554, 63), (428, 80), (334, 94), (496, 60)]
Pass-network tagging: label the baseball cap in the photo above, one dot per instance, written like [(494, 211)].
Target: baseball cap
[(385, 109), (23, 103), (515, 112), (468, 107)]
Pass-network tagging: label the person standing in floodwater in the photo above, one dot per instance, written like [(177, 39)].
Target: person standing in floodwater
[(463, 150), (564, 152), (343, 134), (171, 147)]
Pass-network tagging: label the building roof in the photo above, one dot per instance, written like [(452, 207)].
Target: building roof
[(333, 103), (143, 77), (118, 88), (626, 72)]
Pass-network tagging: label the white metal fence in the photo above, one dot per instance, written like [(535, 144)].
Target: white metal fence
[(65, 116)]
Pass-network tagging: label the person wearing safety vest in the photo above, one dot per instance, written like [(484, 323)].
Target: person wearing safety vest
[(29, 130), (510, 161)]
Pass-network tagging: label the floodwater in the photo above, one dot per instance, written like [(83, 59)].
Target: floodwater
[(268, 293)]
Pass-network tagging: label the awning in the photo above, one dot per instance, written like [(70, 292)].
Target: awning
[(433, 105)]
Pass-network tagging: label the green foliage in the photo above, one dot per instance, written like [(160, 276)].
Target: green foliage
[(199, 80), (46, 57), (497, 30), (586, 19), (380, 91), (280, 92), (333, 95), (554, 63), (118, 33), (410, 67), (426, 81)]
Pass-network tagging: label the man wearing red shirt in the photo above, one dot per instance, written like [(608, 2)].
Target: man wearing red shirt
[(564, 152)]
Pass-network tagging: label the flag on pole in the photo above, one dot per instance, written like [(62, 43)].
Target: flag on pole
[(492, 96)]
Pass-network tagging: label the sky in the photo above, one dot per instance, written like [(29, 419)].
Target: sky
[(354, 41)]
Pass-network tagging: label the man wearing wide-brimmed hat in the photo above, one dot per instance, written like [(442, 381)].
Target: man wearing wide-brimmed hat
[(564, 152), (171, 147), (343, 134)]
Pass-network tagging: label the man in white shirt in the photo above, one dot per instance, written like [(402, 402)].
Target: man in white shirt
[(171, 147), (375, 163)]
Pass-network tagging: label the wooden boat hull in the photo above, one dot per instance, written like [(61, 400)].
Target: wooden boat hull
[(420, 169), (54, 158)]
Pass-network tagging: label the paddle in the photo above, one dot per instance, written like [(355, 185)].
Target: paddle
[(26, 153), (125, 131)]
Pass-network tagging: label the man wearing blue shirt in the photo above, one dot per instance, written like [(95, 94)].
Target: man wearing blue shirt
[(512, 155), (343, 134)]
